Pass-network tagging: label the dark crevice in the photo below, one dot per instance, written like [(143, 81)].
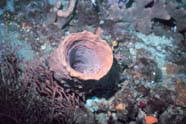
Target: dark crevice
[(129, 3), (150, 5), (170, 23)]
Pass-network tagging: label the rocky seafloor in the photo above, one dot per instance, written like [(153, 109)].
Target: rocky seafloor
[(148, 38)]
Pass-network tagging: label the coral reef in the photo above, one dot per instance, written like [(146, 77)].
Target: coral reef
[(7, 5), (179, 15), (66, 104), (24, 50), (148, 9), (181, 93), (2, 3), (53, 69), (87, 13), (23, 100), (60, 17), (173, 114), (18, 105)]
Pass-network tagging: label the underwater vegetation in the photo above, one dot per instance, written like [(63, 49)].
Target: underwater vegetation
[(92, 62)]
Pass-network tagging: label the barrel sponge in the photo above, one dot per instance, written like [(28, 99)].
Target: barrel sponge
[(83, 56)]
